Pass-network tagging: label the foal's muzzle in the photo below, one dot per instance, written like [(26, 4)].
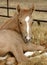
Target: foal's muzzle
[(28, 39)]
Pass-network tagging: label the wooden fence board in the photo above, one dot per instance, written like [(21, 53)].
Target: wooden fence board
[(40, 15)]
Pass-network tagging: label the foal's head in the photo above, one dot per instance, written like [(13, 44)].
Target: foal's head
[(25, 22)]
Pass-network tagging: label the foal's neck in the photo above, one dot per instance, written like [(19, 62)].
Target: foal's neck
[(11, 24)]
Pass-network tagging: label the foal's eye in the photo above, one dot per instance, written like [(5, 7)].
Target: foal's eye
[(20, 22)]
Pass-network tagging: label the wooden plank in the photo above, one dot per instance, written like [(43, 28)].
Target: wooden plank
[(12, 12), (39, 6), (3, 3), (28, 0), (3, 19), (40, 15), (3, 12), (42, 5)]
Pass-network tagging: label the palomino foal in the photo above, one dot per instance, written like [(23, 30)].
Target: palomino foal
[(14, 42)]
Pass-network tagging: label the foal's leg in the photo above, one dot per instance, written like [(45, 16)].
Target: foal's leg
[(18, 53), (33, 47)]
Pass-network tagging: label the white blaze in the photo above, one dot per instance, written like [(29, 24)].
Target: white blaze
[(27, 22)]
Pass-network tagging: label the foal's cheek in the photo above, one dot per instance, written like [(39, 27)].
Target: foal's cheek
[(22, 26), (23, 30)]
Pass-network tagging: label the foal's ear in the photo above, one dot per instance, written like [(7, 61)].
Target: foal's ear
[(18, 8), (32, 9)]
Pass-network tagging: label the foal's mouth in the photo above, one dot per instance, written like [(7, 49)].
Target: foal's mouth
[(27, 40)]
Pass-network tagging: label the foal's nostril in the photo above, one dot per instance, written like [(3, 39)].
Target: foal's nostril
[(27, 38)]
